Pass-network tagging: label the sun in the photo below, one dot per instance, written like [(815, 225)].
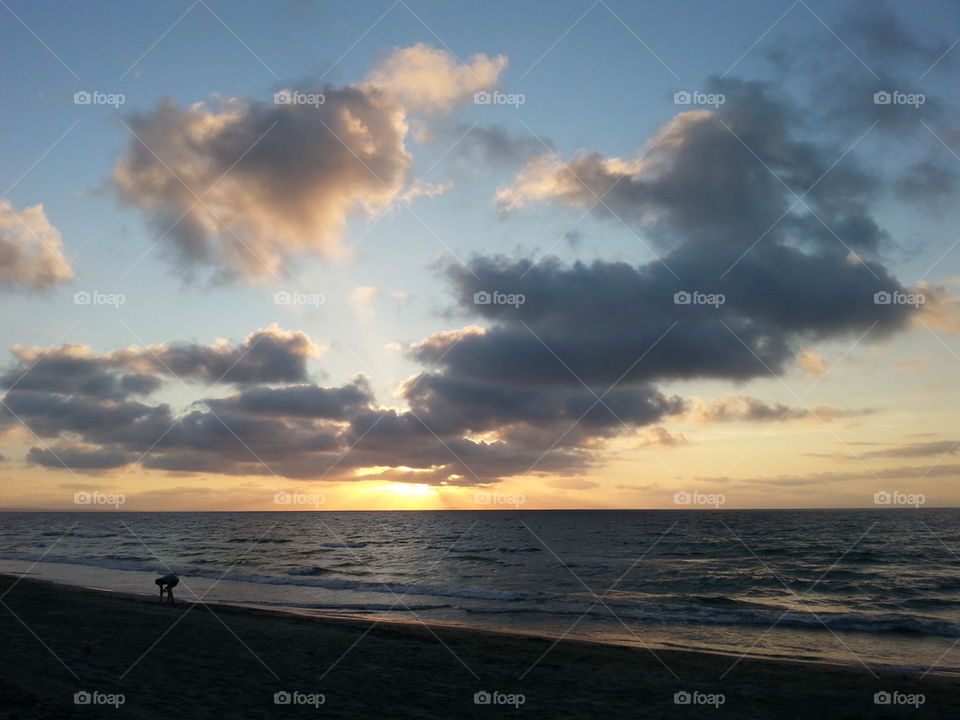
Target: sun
[(417, 490)]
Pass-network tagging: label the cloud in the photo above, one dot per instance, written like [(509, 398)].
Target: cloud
[(743, 408), (880, 53), (74, 370), (81, 459), (930, 181), (610, 321), (811, 363), (495, 145), (940, 309), (719, 182), (244, 186), (938, 448), (266, 356), (422, 78), (94, 412), (304, 401), (425, 189), (31, 250), (639, 488), (714, 191), (828, 478), (660, 437)]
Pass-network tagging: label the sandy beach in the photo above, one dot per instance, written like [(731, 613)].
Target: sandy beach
[(219, 660)]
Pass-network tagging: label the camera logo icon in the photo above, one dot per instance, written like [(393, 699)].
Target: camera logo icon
[(82, 698), (482, 297), (682, 498), (882, 498), (482, 98), (682, 698), (482, 698), (681, 298), (282, 698), (882, 297), (283, 97), (882, 97), (82, 297), (82, 98), (682, 97)]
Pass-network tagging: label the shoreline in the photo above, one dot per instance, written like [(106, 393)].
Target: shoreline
[(160, 657), (362, 622), (452, 625)]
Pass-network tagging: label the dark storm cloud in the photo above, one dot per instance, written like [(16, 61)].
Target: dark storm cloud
[(307, 401), (593, 323), (71, 370), (718, 192), (719, 181), (78, 459), (487, 403), (84, 414), (266, 356)]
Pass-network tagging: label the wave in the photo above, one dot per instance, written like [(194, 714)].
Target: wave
[(470, 549), (344, 545), (519, 550), (303, 580), (896, 623), (477, 558), (309, 571), (355, 607)]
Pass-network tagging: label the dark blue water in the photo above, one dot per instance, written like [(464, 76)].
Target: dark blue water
[(854, 586)]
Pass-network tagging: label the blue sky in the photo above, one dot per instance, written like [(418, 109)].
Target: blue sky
[(594, 76)]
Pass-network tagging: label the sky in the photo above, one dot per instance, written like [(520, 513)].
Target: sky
[(434, 255)]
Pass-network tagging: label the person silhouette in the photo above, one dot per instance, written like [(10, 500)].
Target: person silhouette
[(168, 583)]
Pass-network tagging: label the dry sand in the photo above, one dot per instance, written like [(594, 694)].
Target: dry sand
[(195, 661)]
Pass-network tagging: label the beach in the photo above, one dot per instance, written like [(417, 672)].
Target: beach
[(134, 657)]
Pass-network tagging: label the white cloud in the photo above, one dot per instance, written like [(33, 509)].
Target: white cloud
[(31, 250), (427, 79)]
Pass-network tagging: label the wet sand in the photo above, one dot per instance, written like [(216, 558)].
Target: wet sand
[(197, 661)]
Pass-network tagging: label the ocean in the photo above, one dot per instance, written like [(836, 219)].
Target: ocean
[(870, 587)]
